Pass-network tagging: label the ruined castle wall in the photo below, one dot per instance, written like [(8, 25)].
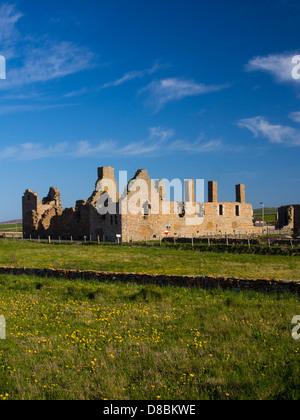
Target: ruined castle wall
[(76, 222), (219, 217), (289, 219), (38, 215), (225, 217), (104, 227), (142, 212), (140, 227), (297, 220), (104, 216)]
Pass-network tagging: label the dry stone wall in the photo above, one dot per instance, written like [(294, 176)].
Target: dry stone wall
[(201, 282)]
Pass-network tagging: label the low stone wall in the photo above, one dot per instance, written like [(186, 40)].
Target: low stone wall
[(203, 282)]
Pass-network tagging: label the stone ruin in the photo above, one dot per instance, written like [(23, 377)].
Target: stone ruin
[(93, 218), (289, 219)]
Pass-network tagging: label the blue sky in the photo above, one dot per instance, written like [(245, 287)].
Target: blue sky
[(185, 89)]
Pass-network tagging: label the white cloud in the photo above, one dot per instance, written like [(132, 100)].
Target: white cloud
[(295, 116), (160, 142), (161, 134), (14, 109), (74, 93), (152, 144), (197, 147), (278, 65), (160, 92), (135, 74), (51, 61), (39, 59), (85, 149), (127, 76), (156, 142), (9, 35), (32, 151), (274, 133)]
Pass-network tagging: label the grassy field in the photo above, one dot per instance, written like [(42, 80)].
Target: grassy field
[(16, 227), (85, 340), (156, 260), (270, 214)]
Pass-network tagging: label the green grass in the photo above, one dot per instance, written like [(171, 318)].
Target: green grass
[(11, 227), (85, 340), (270, 214), (156, 260), (267, 210)]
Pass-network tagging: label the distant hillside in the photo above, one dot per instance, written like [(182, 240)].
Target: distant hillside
[(270, 214), (11, 222), (268, 210)]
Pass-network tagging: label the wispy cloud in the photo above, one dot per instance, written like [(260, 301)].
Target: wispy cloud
[(77, 92), (52, 61), (198, 146), (135, 74), (84, 149), (274, 133), (155, 143), (32, 151), (16, 109), (39, 59), (9, 34), (159, 142), (161, 92), (280, 66), (295, 116), (127, 77)]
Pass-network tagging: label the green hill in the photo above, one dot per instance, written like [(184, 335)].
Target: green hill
[(270, 213)]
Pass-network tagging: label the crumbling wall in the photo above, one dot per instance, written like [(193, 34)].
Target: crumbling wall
[(186, 218), (142, 212), (48, 218), (37, 214), (289, 219)]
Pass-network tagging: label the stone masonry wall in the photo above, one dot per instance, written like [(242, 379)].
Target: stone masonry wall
[(289, 219), (155, 213)]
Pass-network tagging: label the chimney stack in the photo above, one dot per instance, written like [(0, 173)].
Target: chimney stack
[(240, 193), (212, 192)]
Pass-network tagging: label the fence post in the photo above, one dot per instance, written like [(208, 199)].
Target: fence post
[(98, 239), (49, 239)]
